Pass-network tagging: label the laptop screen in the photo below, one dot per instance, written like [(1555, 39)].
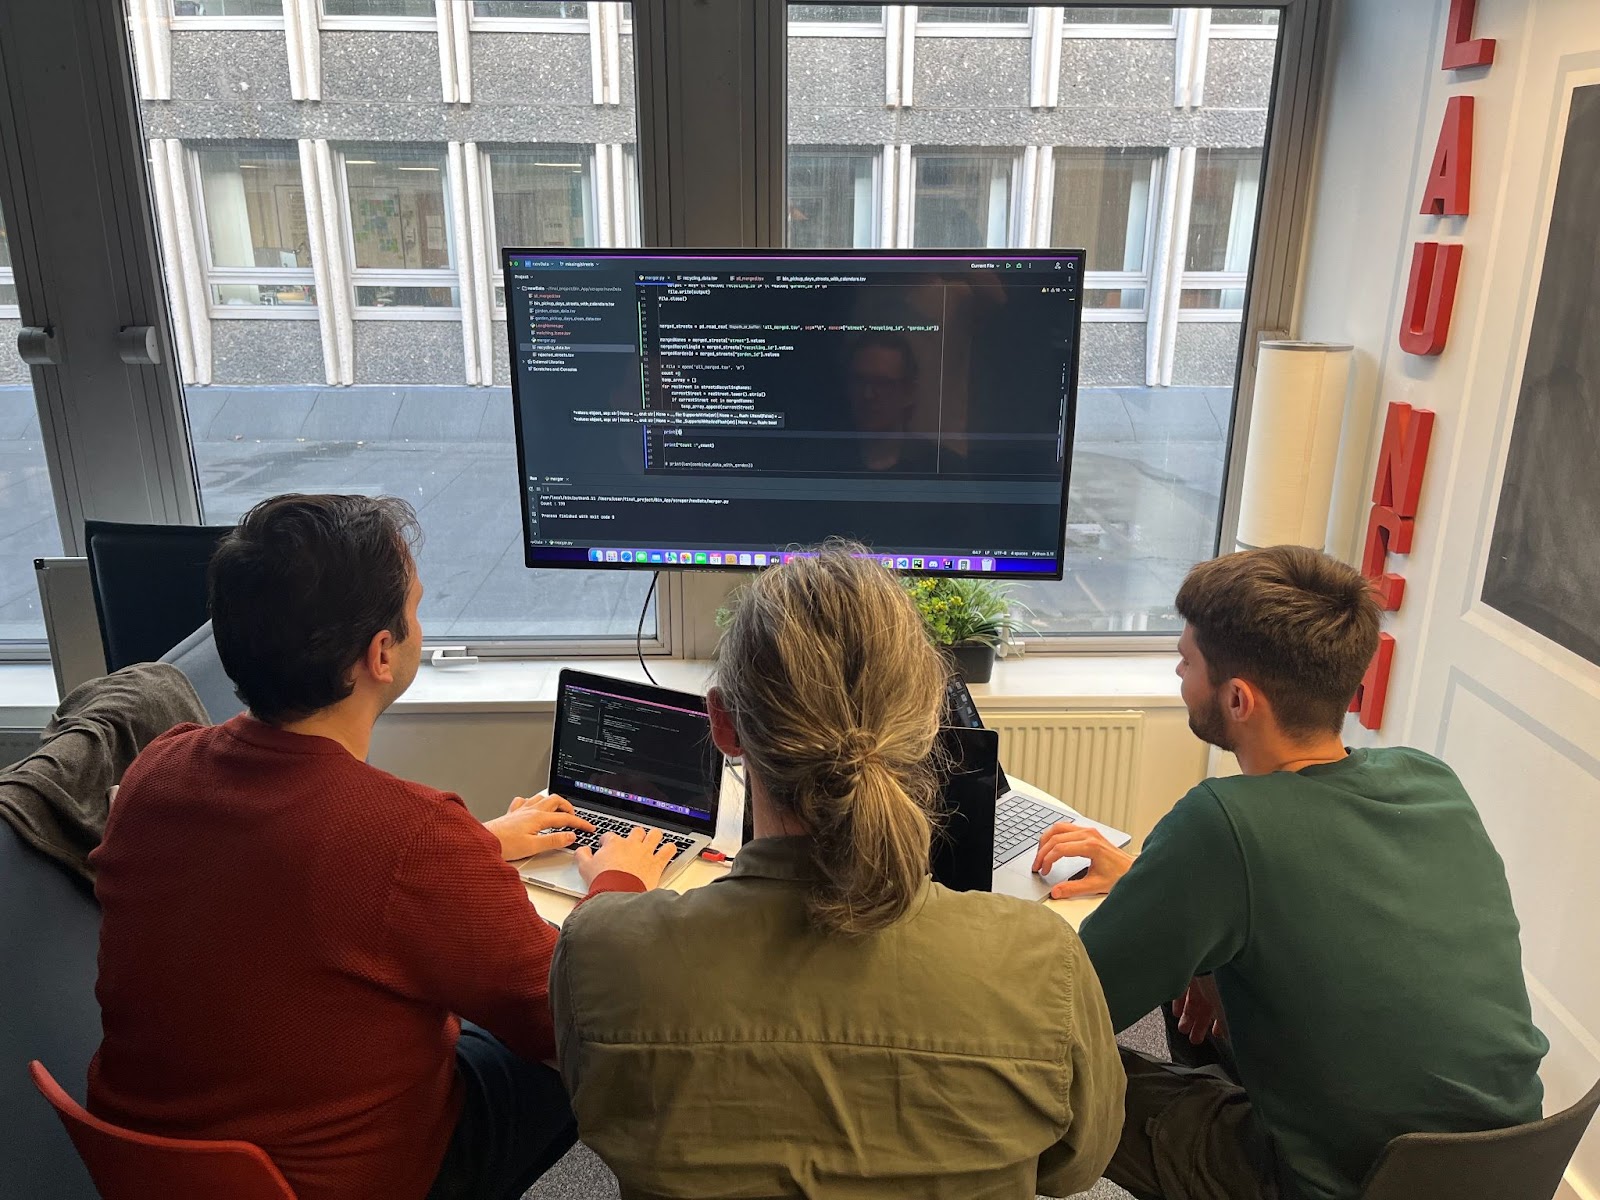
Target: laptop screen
[(637, 751), (963, 836)]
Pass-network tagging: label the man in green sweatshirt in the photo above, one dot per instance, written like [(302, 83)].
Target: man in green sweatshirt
[(1331, 932)]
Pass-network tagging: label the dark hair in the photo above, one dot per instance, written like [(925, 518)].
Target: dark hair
[(299, 590), (898, 342), (1299, 625)]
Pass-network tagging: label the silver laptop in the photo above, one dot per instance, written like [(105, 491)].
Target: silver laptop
[(1019, 819), (626, 755)]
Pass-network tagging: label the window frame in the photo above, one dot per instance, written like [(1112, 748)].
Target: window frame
[(974, 29), (823, 29), (873, 154), (1143, 279), (491, 219), (361, 277), (1085, 30), (215, 276), (1257, 32), (568, 25), (1014, 197), (325, 20), (181, 23)]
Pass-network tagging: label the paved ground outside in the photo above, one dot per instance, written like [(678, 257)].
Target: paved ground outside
[(1147, 471)]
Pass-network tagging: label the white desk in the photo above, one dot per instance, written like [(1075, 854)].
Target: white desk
[(554, 906)]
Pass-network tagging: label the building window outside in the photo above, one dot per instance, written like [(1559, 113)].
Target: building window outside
[(400, 232), (256, 242), (1105, 201), (832, 197), (1244, 16), (1119, 16), (542, 196), (1222, 222), (199, 10), (973, 14), (962, 199), (529, 10), (836, 14), (380, 14)]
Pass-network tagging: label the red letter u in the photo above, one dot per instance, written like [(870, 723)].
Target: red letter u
[(1430, 297)]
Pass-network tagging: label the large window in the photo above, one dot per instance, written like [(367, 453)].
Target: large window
[(1168, 227), (833, 197), (375, 214), (1222, 220), (962, 198), (399, 229), (1104, 201), (258, 241)]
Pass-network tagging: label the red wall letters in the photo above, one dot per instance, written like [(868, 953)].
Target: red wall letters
[(1424, 329)]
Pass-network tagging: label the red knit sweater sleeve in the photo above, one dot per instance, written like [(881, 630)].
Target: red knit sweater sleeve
[(463, 934)]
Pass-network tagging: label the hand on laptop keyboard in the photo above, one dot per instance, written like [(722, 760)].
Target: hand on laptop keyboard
[(642, 853), (537, 825)]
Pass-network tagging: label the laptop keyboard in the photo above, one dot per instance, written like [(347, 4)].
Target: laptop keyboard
[(604, 823), (1018, 822)]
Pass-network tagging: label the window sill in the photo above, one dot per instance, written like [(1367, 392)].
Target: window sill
[(28, 690), (1056, 680)]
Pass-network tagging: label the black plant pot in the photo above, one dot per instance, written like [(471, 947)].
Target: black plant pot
[(974, 661)]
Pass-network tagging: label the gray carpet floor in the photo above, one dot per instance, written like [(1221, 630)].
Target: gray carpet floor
[(582, 1176)]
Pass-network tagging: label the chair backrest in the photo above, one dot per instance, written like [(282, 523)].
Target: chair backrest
[(136, 1166), (49, 934), (196, 656), (1525, 1162), (149, 584)]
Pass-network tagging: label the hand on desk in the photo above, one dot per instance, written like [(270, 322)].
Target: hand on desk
[(641, 854), (533, 825), (1107, 864)]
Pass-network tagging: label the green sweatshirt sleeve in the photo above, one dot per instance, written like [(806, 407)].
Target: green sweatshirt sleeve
[(1182, 910)]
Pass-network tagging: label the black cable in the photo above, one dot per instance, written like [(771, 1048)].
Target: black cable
[(638, 634)]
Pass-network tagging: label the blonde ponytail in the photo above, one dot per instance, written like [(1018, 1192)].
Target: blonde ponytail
[(835, 691)]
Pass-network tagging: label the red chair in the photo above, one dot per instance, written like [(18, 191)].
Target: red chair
[(137, 1166)]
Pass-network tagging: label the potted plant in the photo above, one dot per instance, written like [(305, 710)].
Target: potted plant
[(966, 618)]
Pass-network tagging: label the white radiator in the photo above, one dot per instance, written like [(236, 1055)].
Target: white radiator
[(1088, 760)]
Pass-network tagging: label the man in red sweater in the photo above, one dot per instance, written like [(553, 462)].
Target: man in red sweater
[(301, 951)]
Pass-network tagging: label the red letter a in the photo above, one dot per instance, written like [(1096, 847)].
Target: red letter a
[(1449, 190)]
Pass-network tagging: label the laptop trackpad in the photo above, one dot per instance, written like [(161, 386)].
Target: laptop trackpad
[(1064, 869)]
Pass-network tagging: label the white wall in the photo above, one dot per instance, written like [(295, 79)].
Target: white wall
[(1516, 715)]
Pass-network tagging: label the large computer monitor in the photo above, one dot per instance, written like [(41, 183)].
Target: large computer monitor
[(714, 409)]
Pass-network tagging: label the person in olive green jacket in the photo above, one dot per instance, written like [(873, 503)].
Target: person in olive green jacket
[(1342, 914), (826, 1021)]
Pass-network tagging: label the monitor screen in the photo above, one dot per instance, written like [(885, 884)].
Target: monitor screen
[(716, 409)]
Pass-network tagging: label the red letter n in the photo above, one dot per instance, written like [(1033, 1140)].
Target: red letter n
[(1449, 190), (1374, 690), (1402, 458), (1461, 49), (1430, 297)]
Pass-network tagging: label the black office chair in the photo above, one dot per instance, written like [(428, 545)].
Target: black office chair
[(149, 584), (1525, 1162)]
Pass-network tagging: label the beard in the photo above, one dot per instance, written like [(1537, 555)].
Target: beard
[(1206, 723)]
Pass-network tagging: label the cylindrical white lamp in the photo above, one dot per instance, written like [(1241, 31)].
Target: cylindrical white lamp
[(1294, 443)]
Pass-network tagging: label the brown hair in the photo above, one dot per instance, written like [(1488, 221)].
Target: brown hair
[(299, 590), (1299, 625), (835, 691)]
